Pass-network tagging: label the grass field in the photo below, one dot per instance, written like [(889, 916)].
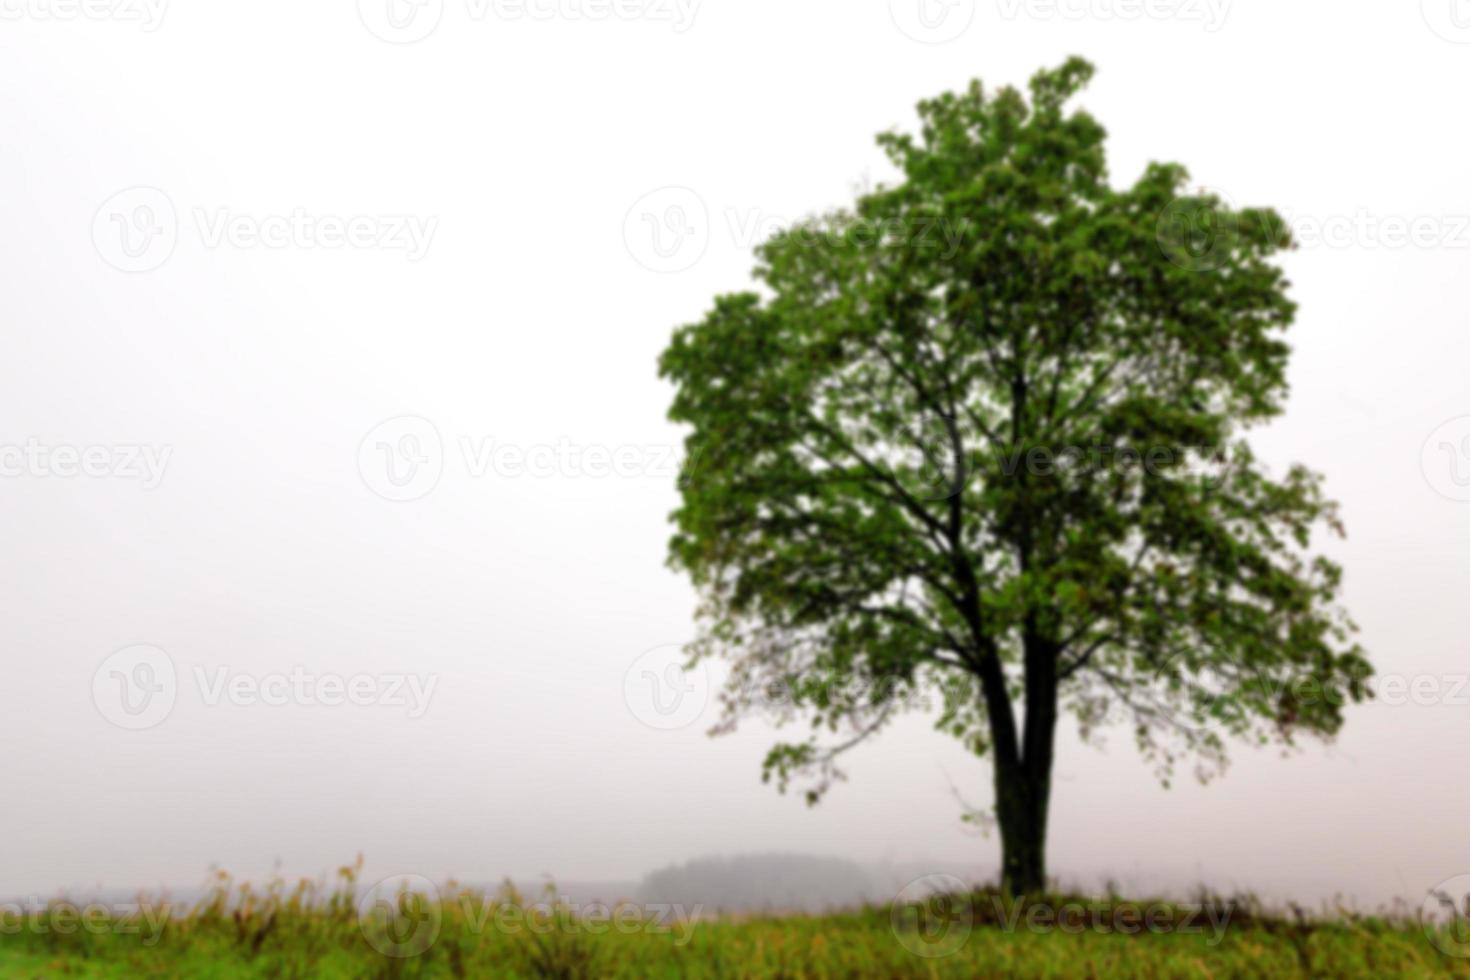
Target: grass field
[(306, 930)]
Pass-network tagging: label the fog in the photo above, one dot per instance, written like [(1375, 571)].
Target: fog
[(330, 421)]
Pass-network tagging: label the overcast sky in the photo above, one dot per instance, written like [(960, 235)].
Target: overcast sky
[(327, 373)]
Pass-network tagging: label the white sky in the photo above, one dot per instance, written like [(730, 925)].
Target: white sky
[(525, 315)]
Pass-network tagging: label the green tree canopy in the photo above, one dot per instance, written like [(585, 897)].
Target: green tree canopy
[(981, 435)]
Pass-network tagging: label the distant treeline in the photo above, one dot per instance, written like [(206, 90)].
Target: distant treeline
[(765, 882)]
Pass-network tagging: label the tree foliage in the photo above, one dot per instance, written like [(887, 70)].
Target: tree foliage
[(981, 435)]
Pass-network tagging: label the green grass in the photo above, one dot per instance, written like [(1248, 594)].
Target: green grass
[(307, 931)]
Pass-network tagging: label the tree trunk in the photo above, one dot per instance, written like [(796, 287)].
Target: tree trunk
[(1021, 809), (1023, 772), (1022, 765)]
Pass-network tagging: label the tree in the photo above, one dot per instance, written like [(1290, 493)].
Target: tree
[(982, 434)]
